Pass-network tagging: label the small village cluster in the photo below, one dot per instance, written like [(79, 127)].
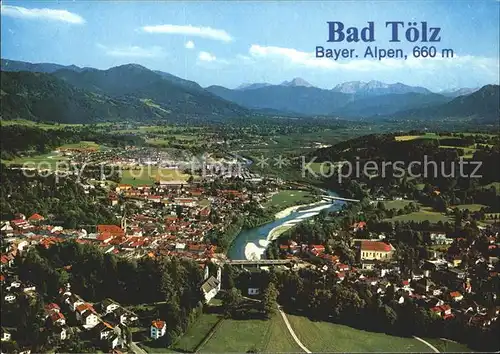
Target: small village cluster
[(438, 285)]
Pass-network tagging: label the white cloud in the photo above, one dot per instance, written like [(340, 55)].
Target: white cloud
[(296, 58), (133, 51), (45, 14), (189, 45), (204, 32), (206, 56)]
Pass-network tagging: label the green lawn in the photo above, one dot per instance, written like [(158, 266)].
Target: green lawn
[(156, 349), (414, 137), (150, 174), (420, 186), (41, 162), (196, 333), (286, 198), (397, 204), (471, 207), (468, 151), (496, 185), (330, 337), (244, 335), (278, 339), (422, 215), (447, 346), (81, 145), (38, 125)]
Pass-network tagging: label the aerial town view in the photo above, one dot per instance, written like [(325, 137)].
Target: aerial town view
[(250, 177)]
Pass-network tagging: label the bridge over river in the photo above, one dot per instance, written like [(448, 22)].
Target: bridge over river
[(259, 262), (332, 198)]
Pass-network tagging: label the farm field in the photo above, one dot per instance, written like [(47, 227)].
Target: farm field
[(149, 175), (40, 125), (425, 213), (331, 337), (287, 198), (414, 137), (468, 151), (80, 145)]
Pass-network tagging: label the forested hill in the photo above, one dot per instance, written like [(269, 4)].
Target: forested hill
[(43, 97), (483, 104), (123, 93), (445, 148)]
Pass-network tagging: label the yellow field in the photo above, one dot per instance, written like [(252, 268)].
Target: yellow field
[(406, 137)]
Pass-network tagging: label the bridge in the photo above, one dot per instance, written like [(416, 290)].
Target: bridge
[(340, 198), (259, 262)]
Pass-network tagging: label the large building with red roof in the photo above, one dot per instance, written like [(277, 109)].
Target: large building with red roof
[(370, 251)]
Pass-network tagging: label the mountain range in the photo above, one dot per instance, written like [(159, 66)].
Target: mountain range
[(127, 92), (377, 88), (47, 91)]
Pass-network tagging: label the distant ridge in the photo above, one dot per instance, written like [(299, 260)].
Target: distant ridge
[(377, 88)]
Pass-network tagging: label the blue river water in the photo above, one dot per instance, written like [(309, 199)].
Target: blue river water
[(257, 234)]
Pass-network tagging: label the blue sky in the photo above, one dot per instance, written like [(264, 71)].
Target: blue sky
[(229, 43)]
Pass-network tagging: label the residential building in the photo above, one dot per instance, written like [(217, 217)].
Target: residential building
[(158, 329), (369, 251)]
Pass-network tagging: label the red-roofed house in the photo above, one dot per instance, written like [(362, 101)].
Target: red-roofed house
[(316, 249), (20, 224), (57, 318), (456, 296), (52, 307), (113, 230), (158, 329), (443, 311), (36, 218), (358, 226)]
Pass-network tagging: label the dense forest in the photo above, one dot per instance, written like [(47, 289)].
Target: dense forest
[(60, 199), (95, 276)]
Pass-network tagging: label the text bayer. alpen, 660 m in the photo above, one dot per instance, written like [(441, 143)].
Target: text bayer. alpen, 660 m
[(431, 52)]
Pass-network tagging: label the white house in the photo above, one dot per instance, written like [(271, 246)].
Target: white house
[(61, 333), (125, 317), (86, 314), (108, 306), (5, 335), (90, 319), (73, 301), (158, 329), (10, 298), (105, 330), (253, 291), (211, 286)]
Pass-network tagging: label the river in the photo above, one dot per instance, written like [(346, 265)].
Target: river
[(251, 243)]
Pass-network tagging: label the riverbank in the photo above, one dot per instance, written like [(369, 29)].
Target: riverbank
[(255, 250), (286, 212), (278, 230), (252, 243)]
